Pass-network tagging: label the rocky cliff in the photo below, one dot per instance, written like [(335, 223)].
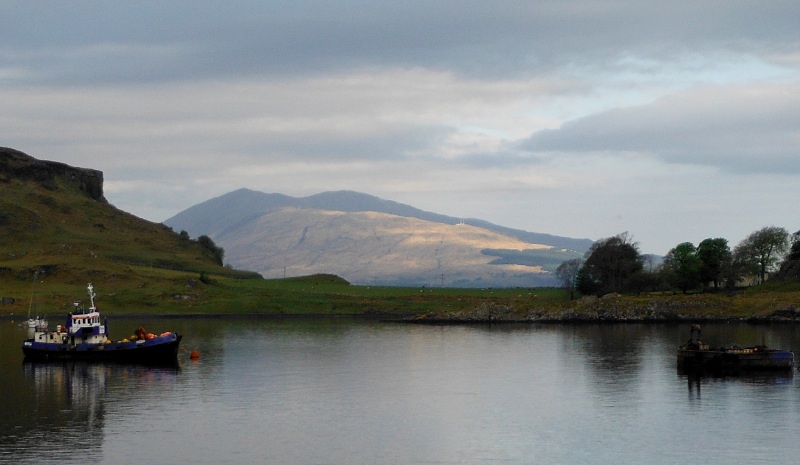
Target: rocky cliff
[(17, 165)]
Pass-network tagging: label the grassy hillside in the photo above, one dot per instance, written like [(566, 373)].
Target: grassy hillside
[(55, 231), (67, 235)]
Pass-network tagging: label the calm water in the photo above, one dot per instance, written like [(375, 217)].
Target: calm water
[(342, 392)]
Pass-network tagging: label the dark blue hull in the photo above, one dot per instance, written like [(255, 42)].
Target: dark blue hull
[(735, 360), (157, 351)]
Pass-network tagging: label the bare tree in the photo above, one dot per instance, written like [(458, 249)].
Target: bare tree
[(765, 248), (567, 274)]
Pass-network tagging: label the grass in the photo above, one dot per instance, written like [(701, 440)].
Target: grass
[(137, 267), (154, 291), (169, 292), (67, 240), (55, 232)]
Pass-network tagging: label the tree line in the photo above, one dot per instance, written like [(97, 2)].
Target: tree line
[(615, 265), (206, 245)]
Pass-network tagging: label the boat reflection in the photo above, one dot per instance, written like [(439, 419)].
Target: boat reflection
[(696, 380), (75, 387), (63, 406)]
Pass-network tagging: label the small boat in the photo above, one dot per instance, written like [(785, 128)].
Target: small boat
[(34, 323), (696, 355), (84, 337)]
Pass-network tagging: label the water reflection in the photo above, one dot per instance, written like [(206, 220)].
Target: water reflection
[(73, 387), (696, 381), (352, 392), (62, 407)]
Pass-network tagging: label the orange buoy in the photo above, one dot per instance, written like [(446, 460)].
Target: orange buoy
[(194, 355)]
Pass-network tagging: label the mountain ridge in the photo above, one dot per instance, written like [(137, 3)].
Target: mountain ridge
[(257, 202), (269, 233)]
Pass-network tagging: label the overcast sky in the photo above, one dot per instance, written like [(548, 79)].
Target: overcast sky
[(674, 121)]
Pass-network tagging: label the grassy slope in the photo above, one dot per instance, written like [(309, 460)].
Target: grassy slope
[(77, 240), (142, 267)]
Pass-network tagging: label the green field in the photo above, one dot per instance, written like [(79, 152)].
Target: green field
[(150, 291), (169, 292), (54, 232)]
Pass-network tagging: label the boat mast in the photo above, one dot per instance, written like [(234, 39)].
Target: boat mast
[(91, 296), (33, 283)]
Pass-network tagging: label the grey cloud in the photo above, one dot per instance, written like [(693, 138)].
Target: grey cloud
[(146, 41), (397, 144), (737, 129)]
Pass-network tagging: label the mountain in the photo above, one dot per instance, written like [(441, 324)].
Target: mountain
[(56, 225), (366, 239)]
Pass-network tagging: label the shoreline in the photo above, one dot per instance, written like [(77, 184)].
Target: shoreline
[(435, 320), (612, 308)]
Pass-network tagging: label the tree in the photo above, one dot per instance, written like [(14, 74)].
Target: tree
[(567, 273), (715, 257), (743, 263), (790, 268), (684, 266), (650, 263), (217, 253), (644, 280), (765, 248), (794, 250), (609, 265)]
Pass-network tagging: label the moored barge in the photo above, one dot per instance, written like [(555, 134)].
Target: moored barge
[(698, 355)]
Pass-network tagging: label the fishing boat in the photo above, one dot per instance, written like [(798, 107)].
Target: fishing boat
[(85, 337), (697, 355)]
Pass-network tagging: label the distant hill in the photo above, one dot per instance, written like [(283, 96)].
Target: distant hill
[(216, 215), (366, 240), (56, 224)]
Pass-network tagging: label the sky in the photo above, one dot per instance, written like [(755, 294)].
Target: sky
[(671, 121)]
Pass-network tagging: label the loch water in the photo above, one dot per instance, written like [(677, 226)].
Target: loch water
[(353, 392)]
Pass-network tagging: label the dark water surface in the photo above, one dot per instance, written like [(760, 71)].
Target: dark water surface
[(345, 392)]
